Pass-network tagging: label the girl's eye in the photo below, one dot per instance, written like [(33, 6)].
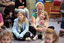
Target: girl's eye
[(4, 39), (41, 14), (7, 39), (50, 39)]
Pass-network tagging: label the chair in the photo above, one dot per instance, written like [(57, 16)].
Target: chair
[(55, 10), (37, 2), (62, 10)]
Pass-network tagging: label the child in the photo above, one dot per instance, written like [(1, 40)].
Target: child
[(6, 37), (21, 27), (40, 23), (1, 30), (51, 36)]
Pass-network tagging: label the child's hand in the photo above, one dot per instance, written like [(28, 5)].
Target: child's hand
[(40, 29), (42, 22)]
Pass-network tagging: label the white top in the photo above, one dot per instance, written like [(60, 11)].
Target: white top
[(38, 22)]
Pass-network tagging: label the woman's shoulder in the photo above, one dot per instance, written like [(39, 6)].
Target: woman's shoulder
[(34, 14)]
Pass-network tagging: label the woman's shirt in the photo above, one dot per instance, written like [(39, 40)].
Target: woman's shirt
[(17, 3), (38, 22), (34, 14), (1, 19)]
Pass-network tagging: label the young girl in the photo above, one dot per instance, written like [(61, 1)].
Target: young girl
[(6, 37), (21, 27), (51, 36), (40, 23)]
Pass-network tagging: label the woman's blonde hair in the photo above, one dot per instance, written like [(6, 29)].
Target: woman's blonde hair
[(51, 31), (6, 33), (41, 4), (46, 15), (25, 19)]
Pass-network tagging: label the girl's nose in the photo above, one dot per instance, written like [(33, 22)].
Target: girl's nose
[(6, 41)]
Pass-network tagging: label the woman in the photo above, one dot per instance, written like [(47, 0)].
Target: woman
[(21, 27), (3, 6), (20, 5), (1, 21), (40, 8)]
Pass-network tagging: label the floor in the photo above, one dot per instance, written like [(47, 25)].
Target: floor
[(52, 22)]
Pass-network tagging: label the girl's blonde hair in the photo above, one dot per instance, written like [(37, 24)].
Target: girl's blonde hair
[(25, 19), (46, 15), (51, 31), (6, 33), (41, 4)]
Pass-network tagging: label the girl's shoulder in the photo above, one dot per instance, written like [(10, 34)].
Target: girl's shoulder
[(16, 20)]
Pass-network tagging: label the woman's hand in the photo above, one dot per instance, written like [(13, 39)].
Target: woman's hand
[(21, 7)]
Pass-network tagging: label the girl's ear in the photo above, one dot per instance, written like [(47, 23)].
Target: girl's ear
[(54, 39)]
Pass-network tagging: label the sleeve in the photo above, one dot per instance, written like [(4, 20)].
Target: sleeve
[(34, 15), (14, 29), (3, 3), (1, 19), (25, 30)]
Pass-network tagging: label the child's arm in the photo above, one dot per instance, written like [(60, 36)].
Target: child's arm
[(41, 22)]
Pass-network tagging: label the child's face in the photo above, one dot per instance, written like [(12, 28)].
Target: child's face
[(5, 39), (42, 16), (21, 17), (49, 38)]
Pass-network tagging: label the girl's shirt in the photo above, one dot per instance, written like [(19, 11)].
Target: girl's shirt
[(38, 22)]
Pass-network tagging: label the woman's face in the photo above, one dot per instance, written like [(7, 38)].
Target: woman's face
[(39, 8), (42, 16), (49, 38), (20, 17), (5, 39)]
